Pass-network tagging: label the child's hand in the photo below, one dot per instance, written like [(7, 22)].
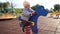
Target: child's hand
[(33, 13)]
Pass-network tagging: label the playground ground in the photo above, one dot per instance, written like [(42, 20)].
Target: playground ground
[(12, 27)]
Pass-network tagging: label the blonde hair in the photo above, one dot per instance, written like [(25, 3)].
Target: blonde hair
[(26, 3)]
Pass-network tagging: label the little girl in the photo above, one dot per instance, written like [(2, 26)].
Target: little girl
[(27, 13)]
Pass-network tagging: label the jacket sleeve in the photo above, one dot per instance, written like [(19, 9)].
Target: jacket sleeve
[(26, 13)]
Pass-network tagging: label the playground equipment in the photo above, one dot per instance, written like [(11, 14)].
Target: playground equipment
[(55, 15), (8, 12), (40, 11)]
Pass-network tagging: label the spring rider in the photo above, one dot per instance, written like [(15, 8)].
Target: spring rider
[(40, 11)]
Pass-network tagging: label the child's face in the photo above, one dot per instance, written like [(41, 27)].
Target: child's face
[(27, 6)]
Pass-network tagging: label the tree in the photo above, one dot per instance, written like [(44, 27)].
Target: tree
[(5, 5), (0, 4), (34, 7), (57, 7)]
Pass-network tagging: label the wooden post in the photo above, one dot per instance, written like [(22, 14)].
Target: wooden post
[(6, 14)]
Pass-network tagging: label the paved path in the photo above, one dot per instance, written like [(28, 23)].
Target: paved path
[(45, 25), (10, 27), (48, 25)]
